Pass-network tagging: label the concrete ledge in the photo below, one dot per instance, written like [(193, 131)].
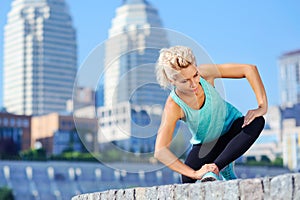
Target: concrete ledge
[(285, 187)]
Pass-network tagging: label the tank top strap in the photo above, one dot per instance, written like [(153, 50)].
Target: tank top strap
[(179, 102)]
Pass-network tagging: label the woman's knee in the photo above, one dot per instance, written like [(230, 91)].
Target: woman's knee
[(260, 122), (256, 126)]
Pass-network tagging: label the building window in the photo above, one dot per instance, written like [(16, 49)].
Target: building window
[(283, 72), (297, 66), (19, 122), (12, 121), (5, 121), (25, 123), (64, 123)]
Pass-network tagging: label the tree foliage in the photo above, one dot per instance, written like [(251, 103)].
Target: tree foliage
[(6, 194)]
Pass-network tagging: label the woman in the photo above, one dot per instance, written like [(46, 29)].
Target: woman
[(220, 133)]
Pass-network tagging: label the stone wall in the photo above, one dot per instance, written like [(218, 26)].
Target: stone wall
[(283, 187)]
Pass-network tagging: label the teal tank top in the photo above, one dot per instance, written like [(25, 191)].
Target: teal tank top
[(212, 120)]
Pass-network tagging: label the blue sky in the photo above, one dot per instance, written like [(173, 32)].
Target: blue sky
[(255, 32)]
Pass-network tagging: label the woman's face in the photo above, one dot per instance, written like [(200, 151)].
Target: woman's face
[(187, 81)]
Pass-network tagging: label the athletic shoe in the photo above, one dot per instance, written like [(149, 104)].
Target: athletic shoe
[(228, 172), (210, 176)]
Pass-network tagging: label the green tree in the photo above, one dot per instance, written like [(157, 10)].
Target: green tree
[(34, 154), (278, 162), (265, 159), (6, 194)]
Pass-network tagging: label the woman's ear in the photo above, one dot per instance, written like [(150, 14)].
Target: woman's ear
[(171, 81)]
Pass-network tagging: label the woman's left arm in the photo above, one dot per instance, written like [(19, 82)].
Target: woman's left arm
[(233, 70)]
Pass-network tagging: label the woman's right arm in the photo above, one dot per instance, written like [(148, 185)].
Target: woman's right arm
[(164, 137)]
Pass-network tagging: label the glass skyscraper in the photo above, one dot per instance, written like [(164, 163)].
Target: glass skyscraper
[(133, 100), (40, 57), (131, 52), (289, 68)]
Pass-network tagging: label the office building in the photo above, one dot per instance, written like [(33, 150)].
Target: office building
[(40, 57), (289, 72), (291, 137), (133, 100), (131, 52), (57, 132), (14, 133)]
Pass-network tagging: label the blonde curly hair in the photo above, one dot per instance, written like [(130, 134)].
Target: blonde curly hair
[(171, 61)]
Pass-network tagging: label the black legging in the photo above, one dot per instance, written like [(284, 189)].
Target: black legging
[(225, 149)]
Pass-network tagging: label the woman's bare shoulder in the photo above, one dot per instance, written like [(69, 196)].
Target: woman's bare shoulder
[(172, 109), (208, 72)]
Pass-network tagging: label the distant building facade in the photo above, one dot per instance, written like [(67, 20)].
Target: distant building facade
[(131, 127), (291, 137), (40, 57), (82, 97), (289, 73), (289, 68), (57, 132), (131, 53), (14, 133), (133, 101)]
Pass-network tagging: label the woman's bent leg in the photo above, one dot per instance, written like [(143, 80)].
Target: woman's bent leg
[(201, 154), (240, 143), (225, 149)]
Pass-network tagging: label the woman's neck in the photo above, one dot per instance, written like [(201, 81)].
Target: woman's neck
[(194, 99)]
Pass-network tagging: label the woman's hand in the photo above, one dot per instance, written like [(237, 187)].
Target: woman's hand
[(252, 114), (204, 169)]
